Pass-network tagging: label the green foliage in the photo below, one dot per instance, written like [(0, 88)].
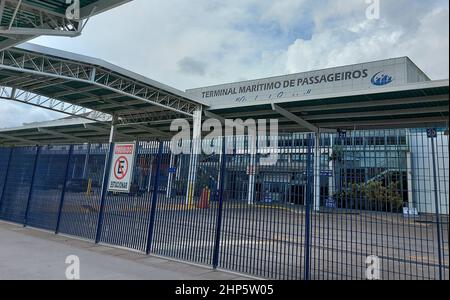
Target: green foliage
[(371, 196), (338, 153)]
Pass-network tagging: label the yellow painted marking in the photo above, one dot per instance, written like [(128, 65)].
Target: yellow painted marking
[(89, 187)]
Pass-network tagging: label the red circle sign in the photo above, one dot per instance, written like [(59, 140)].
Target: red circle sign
[(121, 168)]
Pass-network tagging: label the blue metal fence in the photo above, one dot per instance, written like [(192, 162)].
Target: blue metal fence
[(48, 185), (126, 217), (263, 232), (81, 203), (185, 220), (381, 204), (13, 204), (326, 212), (5, 160)]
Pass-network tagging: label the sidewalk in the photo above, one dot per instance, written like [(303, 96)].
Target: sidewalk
[(32, 254)]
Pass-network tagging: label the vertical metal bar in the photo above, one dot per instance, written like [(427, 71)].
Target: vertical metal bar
[(442, 165), (170, 177), (196, 151), (6, 176), (219, 213), (104, 192), (316, 173), (63, 192), (30, 193), (106, 174), (154, 199), (86, 161), (436, 201), (309, 178)]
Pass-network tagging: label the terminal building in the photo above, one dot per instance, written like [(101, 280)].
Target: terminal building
[(368, 113)]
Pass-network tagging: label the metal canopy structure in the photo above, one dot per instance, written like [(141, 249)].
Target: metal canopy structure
[(73, 130), (22, 20), (422, 104), (424, 107), (88, 88), (94, 93)]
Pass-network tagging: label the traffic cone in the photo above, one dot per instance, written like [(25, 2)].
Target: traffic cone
[(204, 199)]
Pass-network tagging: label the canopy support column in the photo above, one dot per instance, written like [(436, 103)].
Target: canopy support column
[(252, 146), (108, 161), (331, 168), (316, 190), (171, 175), (86, 161), (195, 153)]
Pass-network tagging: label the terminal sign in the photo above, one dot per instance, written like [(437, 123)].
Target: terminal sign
[(306, 85), (122, 168)]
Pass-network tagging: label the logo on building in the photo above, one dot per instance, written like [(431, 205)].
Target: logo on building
[(381, 79)]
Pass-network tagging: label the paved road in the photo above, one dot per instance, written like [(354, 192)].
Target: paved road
[(32, 254)]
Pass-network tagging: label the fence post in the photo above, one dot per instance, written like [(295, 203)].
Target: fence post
[(309, 193), (6, 176), (432, 135), (219, 213), (30, 193), (63, 192), (104, 192), (154, 198)]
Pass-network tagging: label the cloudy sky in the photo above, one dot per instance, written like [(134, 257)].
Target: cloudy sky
[(193, 43)]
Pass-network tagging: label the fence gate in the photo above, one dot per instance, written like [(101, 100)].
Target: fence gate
[(186, 216), (126, 217), (81, 203), (263, 226)]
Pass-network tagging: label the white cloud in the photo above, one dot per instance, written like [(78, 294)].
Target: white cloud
[(248, 39), (430, 46), (15, 114), (424, 38)]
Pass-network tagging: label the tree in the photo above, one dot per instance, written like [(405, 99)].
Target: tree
[(371, 196)]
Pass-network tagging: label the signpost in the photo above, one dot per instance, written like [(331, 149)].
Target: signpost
[(342, 134), (121, 173), (432, 135), (330, 203)]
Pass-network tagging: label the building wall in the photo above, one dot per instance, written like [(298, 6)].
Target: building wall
[(423, 177), (372, 75), (413, 73)]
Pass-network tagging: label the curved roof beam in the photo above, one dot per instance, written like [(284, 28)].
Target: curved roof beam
[(78, 83), (22, 20), (17, 95)]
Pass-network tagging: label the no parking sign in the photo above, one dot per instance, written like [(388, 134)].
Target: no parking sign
[(121, 172)]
